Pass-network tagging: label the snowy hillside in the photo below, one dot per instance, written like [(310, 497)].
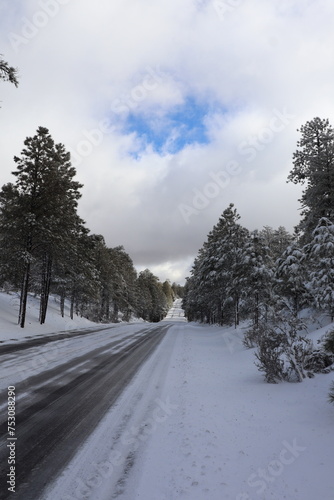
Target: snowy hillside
[(10, 330)]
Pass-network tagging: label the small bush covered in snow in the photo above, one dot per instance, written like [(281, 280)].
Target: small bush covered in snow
[(269, 354), (318, 361), (252, 336), (282, 352)]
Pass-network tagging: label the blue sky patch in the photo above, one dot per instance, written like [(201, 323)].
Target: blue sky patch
[(183, 125)]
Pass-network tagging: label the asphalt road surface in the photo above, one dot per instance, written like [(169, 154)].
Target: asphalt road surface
[(64, 405)]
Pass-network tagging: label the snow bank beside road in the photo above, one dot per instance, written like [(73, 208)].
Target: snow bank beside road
[(11, 331), (9, 310)]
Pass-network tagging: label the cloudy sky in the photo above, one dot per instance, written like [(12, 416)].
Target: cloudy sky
[(171, 110)]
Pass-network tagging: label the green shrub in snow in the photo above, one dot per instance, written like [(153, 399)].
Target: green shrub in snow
[(282, 351)]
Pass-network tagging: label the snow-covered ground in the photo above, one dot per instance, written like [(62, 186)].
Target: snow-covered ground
[(9, 309), (199, 423), (10, 331)]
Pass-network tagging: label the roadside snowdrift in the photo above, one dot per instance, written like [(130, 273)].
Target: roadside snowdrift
[(9, 309)]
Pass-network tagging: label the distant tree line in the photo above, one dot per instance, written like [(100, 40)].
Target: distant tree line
[(46, 248), (269, 275)]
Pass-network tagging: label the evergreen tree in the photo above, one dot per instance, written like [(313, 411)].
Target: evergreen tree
[(42, 220), (320, 253), (12, 250), (291, 278), (168, 291), (123, 283), (152, 302), (202, 298), (276, 240), (74, 275), (7, 72), (178, 290), (258, 276), (314, 167), (214, 292)]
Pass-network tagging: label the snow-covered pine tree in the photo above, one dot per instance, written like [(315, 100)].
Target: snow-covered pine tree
[(10, 248), (276, 240), (314, 167), (320, 255), (194, 300), (258, 275), (178, 290), (123, 283), (213, 293), (152, 300), (291, 278), (168, 291)]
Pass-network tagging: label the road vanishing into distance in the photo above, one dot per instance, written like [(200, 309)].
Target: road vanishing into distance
[(65, 384)]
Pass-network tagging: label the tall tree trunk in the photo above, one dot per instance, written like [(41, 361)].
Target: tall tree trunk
[(107, 307), (236, 318), (104, 308), (115, 313), (72, 304), (43, 281), (219, 312), (24, 296), (46, 283), (62, 302), (256, 315)]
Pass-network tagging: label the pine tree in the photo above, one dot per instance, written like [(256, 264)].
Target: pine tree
[(276, 240), (214, 292), (153, 304), (320, 252), (168, 291), (291, 276), (12, 250), (178, 290), (7, 72), (314, 167), (123, 283), (43, 220), (258, 276), (74, 275)]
